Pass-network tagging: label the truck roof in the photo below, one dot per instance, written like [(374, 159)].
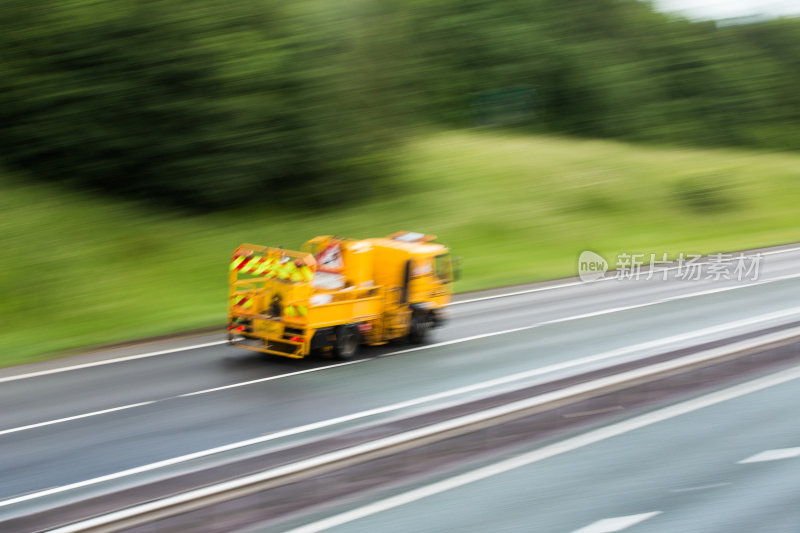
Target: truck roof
[(414, 247)]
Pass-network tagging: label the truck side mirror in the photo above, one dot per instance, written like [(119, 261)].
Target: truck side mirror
[(456, 268)]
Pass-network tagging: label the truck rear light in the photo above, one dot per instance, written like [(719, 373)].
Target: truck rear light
[(296, 339)]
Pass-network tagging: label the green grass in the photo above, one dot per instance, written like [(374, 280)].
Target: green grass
[(78, 271)]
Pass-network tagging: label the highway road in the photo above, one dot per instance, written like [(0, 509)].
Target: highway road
[(732, 466), (100, 421)]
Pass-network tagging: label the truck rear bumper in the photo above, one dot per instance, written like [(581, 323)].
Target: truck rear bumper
[(282, 347)]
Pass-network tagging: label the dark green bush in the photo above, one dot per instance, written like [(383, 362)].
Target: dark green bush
[(201, 104), (704, 194)]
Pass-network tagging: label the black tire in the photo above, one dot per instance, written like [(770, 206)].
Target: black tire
[(347, 341), (420, 328)]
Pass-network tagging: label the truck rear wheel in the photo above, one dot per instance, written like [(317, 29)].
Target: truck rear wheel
[(420, 326), (346, 345)]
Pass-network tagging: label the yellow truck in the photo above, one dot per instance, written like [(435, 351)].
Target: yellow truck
[(336, 294)]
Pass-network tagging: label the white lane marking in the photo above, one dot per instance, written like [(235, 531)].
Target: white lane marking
[(527, 291), (772, 455), (610, 525), (576, 283), (76, 417), (627, 350), (775, 252), (109, 361), (678, 297), (552, 450), (217, 343), (270, 378), (702, 487), (266, 438), (665, 300), (594, 313)]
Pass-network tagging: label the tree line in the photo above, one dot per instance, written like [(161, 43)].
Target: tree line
[(210, 104)]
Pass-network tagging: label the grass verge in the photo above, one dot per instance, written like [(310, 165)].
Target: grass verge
[(79, 271)]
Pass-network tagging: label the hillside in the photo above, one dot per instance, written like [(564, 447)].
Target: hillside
[(80, 270)]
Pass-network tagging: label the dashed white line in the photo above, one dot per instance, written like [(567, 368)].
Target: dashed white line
[(76, 417), (610, 525), (553, 450), (109, 361), (772, 455), (781, 251), (595, 313), (270, 378), (701, 487), (665, 300), (576, 283)]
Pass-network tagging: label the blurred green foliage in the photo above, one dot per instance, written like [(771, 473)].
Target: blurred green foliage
[(202, 104), (613, 68), (213, 103)]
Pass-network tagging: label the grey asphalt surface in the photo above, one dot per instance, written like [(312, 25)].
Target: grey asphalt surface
[(565, 321), (688, 469)]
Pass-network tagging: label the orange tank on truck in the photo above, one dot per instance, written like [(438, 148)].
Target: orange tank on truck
[(338, 294)]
